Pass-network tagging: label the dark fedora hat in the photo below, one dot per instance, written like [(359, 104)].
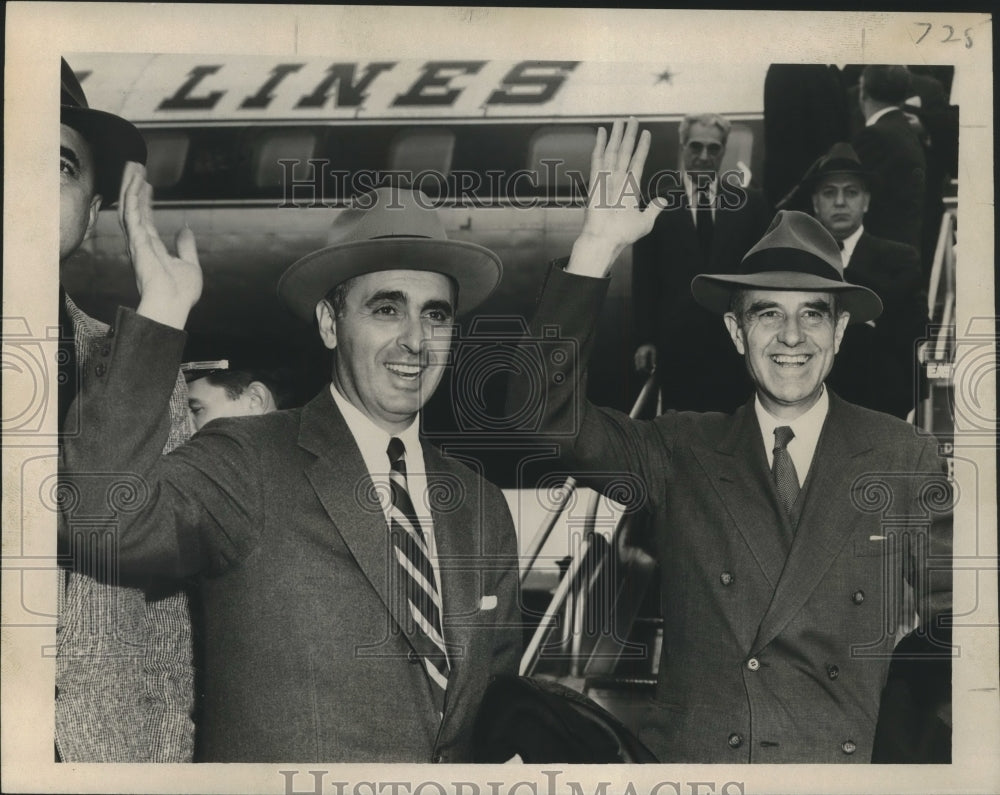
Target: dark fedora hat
[(113, 140), (796, 253), (390, 228), (841, 159)]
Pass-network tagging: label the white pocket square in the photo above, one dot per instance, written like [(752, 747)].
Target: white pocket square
[(488, 602)]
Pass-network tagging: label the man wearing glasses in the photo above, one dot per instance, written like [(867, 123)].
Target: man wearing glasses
[(708, 223)]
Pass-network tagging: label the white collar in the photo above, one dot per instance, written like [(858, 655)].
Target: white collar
[(806, 428), (373, 441), (850, 242), (879, 114)]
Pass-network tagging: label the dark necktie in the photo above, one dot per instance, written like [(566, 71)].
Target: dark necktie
[(703, 218), (418, 584), (840, 244), (783, 468)]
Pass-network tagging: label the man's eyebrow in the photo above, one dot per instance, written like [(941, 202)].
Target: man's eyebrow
[(757, 306), (386, 295), (70, 155), (820, 304), (440, 305)]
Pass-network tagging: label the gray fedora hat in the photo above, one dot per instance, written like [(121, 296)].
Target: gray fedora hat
[(113, 140), (796, 253), (389, 228)]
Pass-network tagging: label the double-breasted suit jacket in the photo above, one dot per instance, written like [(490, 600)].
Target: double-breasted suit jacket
[(688, 339), (306, 652), (877, 364), (124, 674), (777, 631)]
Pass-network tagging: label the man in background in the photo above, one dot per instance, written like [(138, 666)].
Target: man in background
[(708, 223), (889, 147), (877, 364), (234, 393)]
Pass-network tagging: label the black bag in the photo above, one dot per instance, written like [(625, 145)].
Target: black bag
[(545, 722)]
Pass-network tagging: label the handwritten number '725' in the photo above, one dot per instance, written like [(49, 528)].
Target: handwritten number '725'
[(949, 38)]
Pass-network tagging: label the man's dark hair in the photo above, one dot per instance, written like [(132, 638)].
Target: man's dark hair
[(236, 382), (888, 84)]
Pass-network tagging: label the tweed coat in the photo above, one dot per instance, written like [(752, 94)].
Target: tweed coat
[(307, 656), (777, 638), (877, 366), (124, 677), (664, 263)]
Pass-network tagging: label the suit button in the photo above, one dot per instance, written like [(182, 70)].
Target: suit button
[(832, 671), (100, 369), (412, 656), (438, 759), (735, 740), (105, 349), (858, 596), (726, 578), (848, 747), (111, 332), (753, 664)]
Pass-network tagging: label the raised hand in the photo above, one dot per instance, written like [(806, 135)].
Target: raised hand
[(168, 286), (614, 218)]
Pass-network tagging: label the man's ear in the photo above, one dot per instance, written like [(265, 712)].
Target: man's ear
[(735, 332), (95, 206), (838, 332), (326, 320), (260, 399)]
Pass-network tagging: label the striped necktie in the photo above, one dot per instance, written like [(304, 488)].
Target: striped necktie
[(418, 584), (783, 469)]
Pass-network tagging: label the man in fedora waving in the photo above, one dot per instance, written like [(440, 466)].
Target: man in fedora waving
[(359, 588), (784, 531)]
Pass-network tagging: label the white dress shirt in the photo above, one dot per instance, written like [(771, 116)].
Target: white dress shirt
[(806, 428), (849, 244), (373, 442)]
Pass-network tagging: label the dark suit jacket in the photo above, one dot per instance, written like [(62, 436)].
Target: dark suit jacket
[(892, 150), (305, 660), (805, 113), (774, 649), (877, 367), (698, 364)]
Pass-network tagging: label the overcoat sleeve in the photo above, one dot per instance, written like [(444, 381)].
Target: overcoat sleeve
[(196, 509)]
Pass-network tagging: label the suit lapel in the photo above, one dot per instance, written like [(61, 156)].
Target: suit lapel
[(738, 471), (823, 527), (343, 486)]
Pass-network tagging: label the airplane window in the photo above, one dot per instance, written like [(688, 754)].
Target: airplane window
[(426, 154), (167, 154), (269, 149), (559, 156)]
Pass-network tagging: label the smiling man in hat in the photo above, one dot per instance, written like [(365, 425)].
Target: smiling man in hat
[(359, 588), (124, 678), (784, 531), (877, 364)]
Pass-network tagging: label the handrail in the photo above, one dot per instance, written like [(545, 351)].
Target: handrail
[(943, 263), (531, 654), (569, 486)]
